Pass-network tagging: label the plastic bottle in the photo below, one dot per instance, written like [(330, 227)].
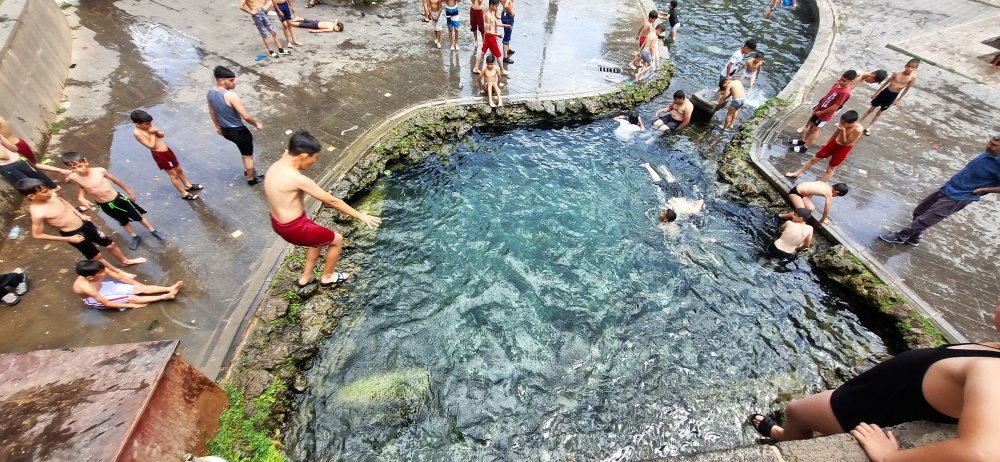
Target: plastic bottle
[(15, 232)]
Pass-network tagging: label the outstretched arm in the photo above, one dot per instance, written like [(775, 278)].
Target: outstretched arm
[(827, 207), (311, 188)]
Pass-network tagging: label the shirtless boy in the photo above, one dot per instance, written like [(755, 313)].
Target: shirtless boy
[(14, 167), (836, 148), (451, 17), (643, 35), (489, 81), (892, 91), (99, 287), (255, 8), (800, 196), (677, 204), (678, 114), (490, 36), (751, 69), (734, 89), (95, 182), (477, 22), (285, 187), (647, 53), (151, 137), (434, 9), (795, 235), (285, 14), (48, 208), (316, 26), (824, 110)]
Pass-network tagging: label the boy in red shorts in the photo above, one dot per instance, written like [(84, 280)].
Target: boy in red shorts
[(824, 110), (477, 22), (837, 148), (285, 185), (151, 137), (490, 39)]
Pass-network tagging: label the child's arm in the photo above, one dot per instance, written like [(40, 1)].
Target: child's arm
[(905, 90), (38, 232), (885, 83), (310, 187), (81, 197), (121, 184), (687, 116), (120, 275), (827, 207), (807, 242), (244, 7), (145, 138)]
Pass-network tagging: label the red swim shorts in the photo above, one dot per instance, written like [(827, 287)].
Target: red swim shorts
[(490, 43), (477, 21), (166, 160), (642, 41), (838, 152), (25, 151), (303, 231)]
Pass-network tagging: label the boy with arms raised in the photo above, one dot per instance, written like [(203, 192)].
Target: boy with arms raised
[(96, 183), (47, 208), (892, 92), (151, 137), (285, 187), (836, 148), (95, 285)]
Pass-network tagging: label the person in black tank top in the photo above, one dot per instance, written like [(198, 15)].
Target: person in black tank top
[(948, 384)]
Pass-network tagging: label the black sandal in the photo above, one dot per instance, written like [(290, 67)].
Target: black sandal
[(190, 197), (765, 425)]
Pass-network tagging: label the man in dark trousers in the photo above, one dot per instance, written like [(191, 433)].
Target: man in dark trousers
[(981, 176)]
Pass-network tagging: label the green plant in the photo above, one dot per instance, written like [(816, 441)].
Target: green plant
[(240, 438), (65, 5), (54, 128), (60, 110)]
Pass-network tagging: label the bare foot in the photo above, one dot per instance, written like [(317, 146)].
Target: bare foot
[(500, 102), (475, 71), (177, 286), (791, 175), (133, 261), (297, 44), (169, 295), (492, 104), (631, 66), (800, 129)]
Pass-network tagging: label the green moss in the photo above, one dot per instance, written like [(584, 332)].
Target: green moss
[(60, 110), (65, 5), (386, 388), (54, 128), (241, 438)]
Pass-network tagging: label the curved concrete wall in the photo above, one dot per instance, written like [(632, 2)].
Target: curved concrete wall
[(35, 53)]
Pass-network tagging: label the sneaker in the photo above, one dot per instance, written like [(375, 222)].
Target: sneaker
[(796, 142), (273, 54), (508, 61), (284, 52), (10, 299), (158, 234), (437, 43), (21, 288), (913, 240), (257, 179), (510, 52), (892, 238), (133, 242), (800, 149)]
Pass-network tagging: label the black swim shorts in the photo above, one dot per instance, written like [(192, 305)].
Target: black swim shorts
[(91, 235), (242, 137)]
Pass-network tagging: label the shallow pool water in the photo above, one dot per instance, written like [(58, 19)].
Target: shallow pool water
[(522, 302)]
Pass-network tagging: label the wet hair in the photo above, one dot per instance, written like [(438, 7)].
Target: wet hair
[(802, 213), (89, 267), (340, 26), (758, 55), (633, 118), (849, 116), (751, 44), (490, 59), (27, 186), (679, 94), (723, 81), (221, 72), (139, 116), (668, 215), (302, 142), (914, 61), (880, 75), (494, 2), (653, 14), (841, 189), (673, 3), (850, 74), (71, 157)]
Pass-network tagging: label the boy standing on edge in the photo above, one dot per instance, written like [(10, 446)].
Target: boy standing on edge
[(477, 23), (151, 137), (285, 187), (643, 35), (736, 59), (824, 110), (490, 39), (285, 14), (263, 23), (507, 19), (228, 114), (892, 91), (96, 183), (92, 284), (48, 208), (837, 148)]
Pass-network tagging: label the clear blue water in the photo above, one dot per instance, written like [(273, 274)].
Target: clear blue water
[(527, 274)]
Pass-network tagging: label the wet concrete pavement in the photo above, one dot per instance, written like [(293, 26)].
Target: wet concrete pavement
[(915, 147), (158, 56)]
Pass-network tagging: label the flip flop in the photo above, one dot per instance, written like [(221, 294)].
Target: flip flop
[(190, 197), (765, 426), (308, 283), (195, 187), (340, 277), (868, 132)]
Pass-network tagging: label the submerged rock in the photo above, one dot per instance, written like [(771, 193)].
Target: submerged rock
[(387, 397)]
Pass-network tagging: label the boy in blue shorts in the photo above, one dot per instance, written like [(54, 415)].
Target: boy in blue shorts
[(255, 8), (451, 13), (285, 14)]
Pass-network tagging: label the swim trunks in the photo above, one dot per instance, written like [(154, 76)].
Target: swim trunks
[(477, 22), (837, 152), (25, 151), (884, 99), (736, 103), (452, 15), (642, 41), (507, 19), (309, 24), (669, 120), (674, 27), (20, 169), (115, 292), (435, 16), (284, 12), (815, 121), (166, 160), (91, 235), (670, 188), (303, 231), (774, 252), (242, 137), (891, 393), (262, 22), (794, 190), (646, 56), (490, 43), (122, 210)]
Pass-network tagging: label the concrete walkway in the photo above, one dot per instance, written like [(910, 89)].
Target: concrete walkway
[(158, 56), (915, 147)]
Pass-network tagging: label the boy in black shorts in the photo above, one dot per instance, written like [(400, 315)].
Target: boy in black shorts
[(74, 228)]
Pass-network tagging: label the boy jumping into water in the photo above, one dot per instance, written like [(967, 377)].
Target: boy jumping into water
[(96, 183), (151, 137), (836, 148), (46, 208), (255, 8), (99, 287), (285, 187), (824, 110), (892, 91)]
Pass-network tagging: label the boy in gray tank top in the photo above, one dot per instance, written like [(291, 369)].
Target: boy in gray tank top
[(228, 114)]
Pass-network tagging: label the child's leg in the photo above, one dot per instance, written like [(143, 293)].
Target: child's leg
[(312, 255), (108, 264), (811, 133), (332, 255), (807, 202), (479, 60), (147, 224), (489, 94), (830, 170), (875, 119), (499, 97), (175, 179), (652, 173), (731, 116), (803, 168), (143, 289), (266, 45), (867, 113), (117, 253), (277, 41), (248, 167), (129, 229), (147, 299)]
